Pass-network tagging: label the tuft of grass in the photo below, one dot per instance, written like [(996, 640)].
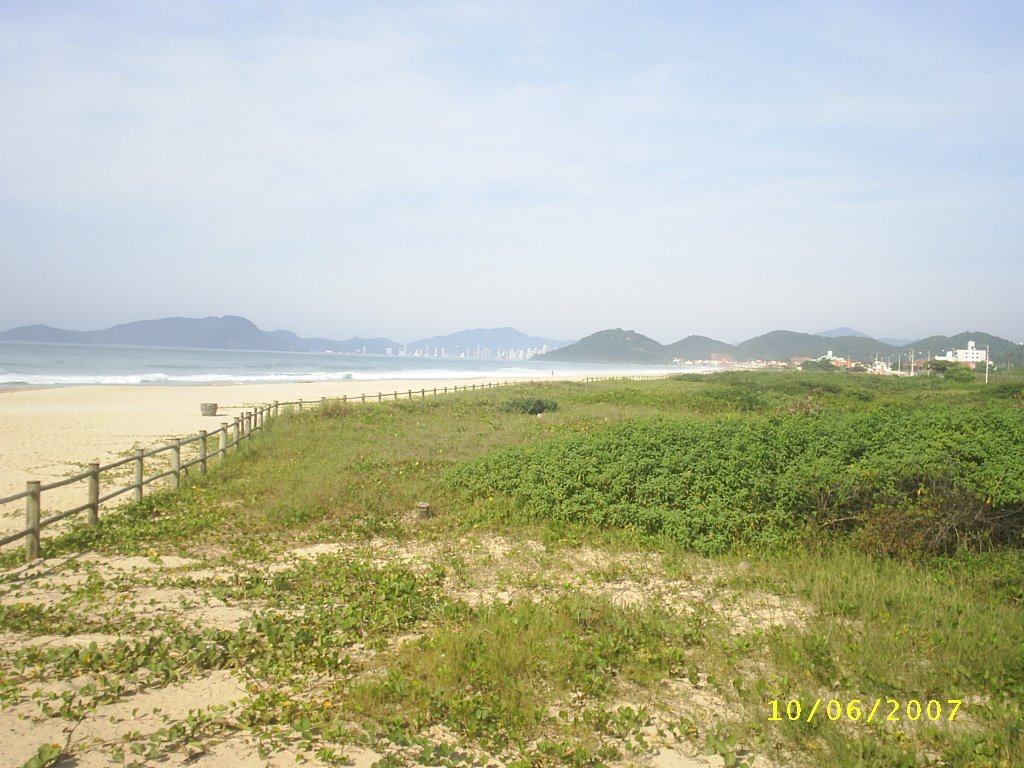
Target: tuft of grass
[(498, 676)]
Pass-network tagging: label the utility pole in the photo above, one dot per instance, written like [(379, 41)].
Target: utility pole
[(987, 362)]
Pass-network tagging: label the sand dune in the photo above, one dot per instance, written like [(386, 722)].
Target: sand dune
[(51, 434)]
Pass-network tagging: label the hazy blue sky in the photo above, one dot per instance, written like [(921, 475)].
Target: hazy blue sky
[(411, 169)]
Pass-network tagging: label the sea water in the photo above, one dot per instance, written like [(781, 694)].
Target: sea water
[(56, 365)]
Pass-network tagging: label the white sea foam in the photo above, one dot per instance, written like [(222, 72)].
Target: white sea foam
[(49, 380), (43, 380), (26, 365)]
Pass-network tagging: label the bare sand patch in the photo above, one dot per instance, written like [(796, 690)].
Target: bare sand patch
[(488, 568), (18, 640), (93, 740), (192, 605), (479, 568)]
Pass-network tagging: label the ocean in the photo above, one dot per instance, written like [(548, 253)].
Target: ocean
[(62, 365)]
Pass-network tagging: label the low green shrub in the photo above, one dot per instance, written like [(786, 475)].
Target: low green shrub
[(529, 405), (901, 480)]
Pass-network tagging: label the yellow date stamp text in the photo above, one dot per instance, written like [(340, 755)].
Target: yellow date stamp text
[(857, 710)]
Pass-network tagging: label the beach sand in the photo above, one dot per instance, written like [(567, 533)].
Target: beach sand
[(51, 434)]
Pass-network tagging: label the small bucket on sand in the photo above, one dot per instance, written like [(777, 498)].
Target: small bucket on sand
[(208, 409)]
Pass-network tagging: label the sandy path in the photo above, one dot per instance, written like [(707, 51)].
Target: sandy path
[(50, 434)]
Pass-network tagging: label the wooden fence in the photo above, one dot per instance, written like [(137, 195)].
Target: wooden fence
[(229, 436)]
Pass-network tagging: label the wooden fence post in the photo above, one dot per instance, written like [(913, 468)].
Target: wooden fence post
[(273, 410), (175, 463), (32, 504), (423, 393), (222, 448), (235, 430), (202, 451), (410, 395), (300, 405), (93, 512), (139, 458)]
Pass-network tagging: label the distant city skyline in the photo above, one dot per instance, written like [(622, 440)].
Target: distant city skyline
[(409, 169)]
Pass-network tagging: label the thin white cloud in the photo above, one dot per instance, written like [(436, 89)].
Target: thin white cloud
[(492, 155)]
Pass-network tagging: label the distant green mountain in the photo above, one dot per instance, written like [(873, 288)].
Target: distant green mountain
[(938, 344), (614, 346), (699, 348), (844, 331), (1002, 352), (786, 345), (618, 346)]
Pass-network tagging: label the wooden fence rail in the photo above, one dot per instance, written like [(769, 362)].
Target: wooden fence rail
[(229, 436)]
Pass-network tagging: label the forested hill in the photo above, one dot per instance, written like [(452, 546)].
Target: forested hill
[(612, 346), (621, 346)]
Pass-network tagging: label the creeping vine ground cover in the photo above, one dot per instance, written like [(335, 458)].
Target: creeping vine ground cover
[(553, 610), (956, 473)]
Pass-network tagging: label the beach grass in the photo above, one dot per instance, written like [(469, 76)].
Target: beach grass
[(519, 623)]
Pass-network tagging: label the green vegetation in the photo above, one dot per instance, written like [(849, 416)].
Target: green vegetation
[(619, 346), (533, 406), (823, 365), (613, 345), (906, 479), (959, 373), (578, 597)]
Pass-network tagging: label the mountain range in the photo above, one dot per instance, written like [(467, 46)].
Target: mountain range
[(232, 332), (608, 346), (621, 346)]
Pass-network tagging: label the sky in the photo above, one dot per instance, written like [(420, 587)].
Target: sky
[(413, 169)]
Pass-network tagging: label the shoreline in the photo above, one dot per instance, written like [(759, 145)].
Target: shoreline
[(50, 433)]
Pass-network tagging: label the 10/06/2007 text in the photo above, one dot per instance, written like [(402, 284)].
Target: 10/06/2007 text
[(857, 710)]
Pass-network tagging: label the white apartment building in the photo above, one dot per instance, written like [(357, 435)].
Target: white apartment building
[(970, 356)]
